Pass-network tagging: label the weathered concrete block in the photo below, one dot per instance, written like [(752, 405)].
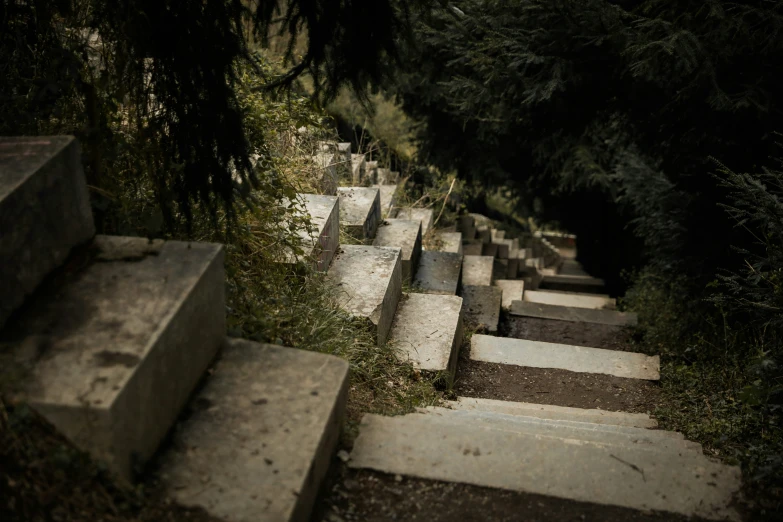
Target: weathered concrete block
[(368, 284), (497, 234), (552, 297), (466, 225), (261, 434), (387, 177), (512, 291), (572, 267), (573, 283), (406, 235), (358, 166), (573, 314), (329, 177), (371, 170), (427, 331), (451, 242), (438, 273), (482, 306), (322, 241), (425, 215), (538, 354), (484, 233), (44, 212), (387, 193), (121, 343), (499, 268), (489, 249), (477, 270), (360, 210), (513, 268), (472, 249)]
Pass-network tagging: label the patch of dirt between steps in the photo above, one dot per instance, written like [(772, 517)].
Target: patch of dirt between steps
[(557, 387), (369, 496), (604, 336)]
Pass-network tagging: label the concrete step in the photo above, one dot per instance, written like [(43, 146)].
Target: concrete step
[(360, 210), (358, 168), (513, 268), (427, 331), (573, 314), (472, 249), (477, 270), (435, 448), (583, 431), (538, 354), (501, 249), (512, 290), (572, 267), (482, 306), (546, 411), (387, 198), (119, 342), (387, 177), (425, 215), (450, 242), (322, 241), (484, 233), (261, 435), (405, 235), (573, 283), (499, 269), (44, 212), (368, 284), (570, 299), (329, 177), (489, 249), (371, 171), (438, 273), (466, 225), (497, 234)]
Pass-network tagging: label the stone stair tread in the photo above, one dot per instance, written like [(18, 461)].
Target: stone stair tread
[(45, 209), (321, 244), (425, 215), (438, 273), (261, 435), (477, 270), (405, 234), (539, 354), (360, 210), (122, 342), (569, 299), (451, 242), (573, 314), (482, 306), (603, 433), (387, 198), (368, 284), (427, 331), (513, 289), (548, 411), (427, 447)]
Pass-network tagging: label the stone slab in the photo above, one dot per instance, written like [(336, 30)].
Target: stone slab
[(119, 344), (569, 299), (513, 289), (406, 235), (472, 249), (573, 283), (44, 212), (477, 270), (502, 248), (261, 434), (482, 306), (427, 331), (360, 210), (513, 268), (438, 273), (573, 314), (425, 215), (484, 234), (538, 354), (368, 284), (358, 165), (466, 225), (451, 242), (498, 234), (435, 448), (572, 267), (489, 249), (499, 269), (547, 411), (321, 242), (387, 198), (329, 177), (387, 177)]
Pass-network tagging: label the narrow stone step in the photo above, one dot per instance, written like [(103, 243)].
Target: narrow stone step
[(512, 290), (427, 331), (484, 234), (639, 478), (406, 235), (358, 166), (119, 343), (497, 234), (472, 249), (438, 273), (387, 177), (371, 171), (387, 198), (583, 431), (466, 225), (538, 354), (425, 215), (569, 299), (360, 210), (261, 434), (499, 269), (573, 283), (44, 211), (546, 411), (573, 314), (477, 270), (489, 249), (513, 268), (320, 244), (368, 284), (572, 267), (450, 242), (502, 249), (482, 306), (329, 178)]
